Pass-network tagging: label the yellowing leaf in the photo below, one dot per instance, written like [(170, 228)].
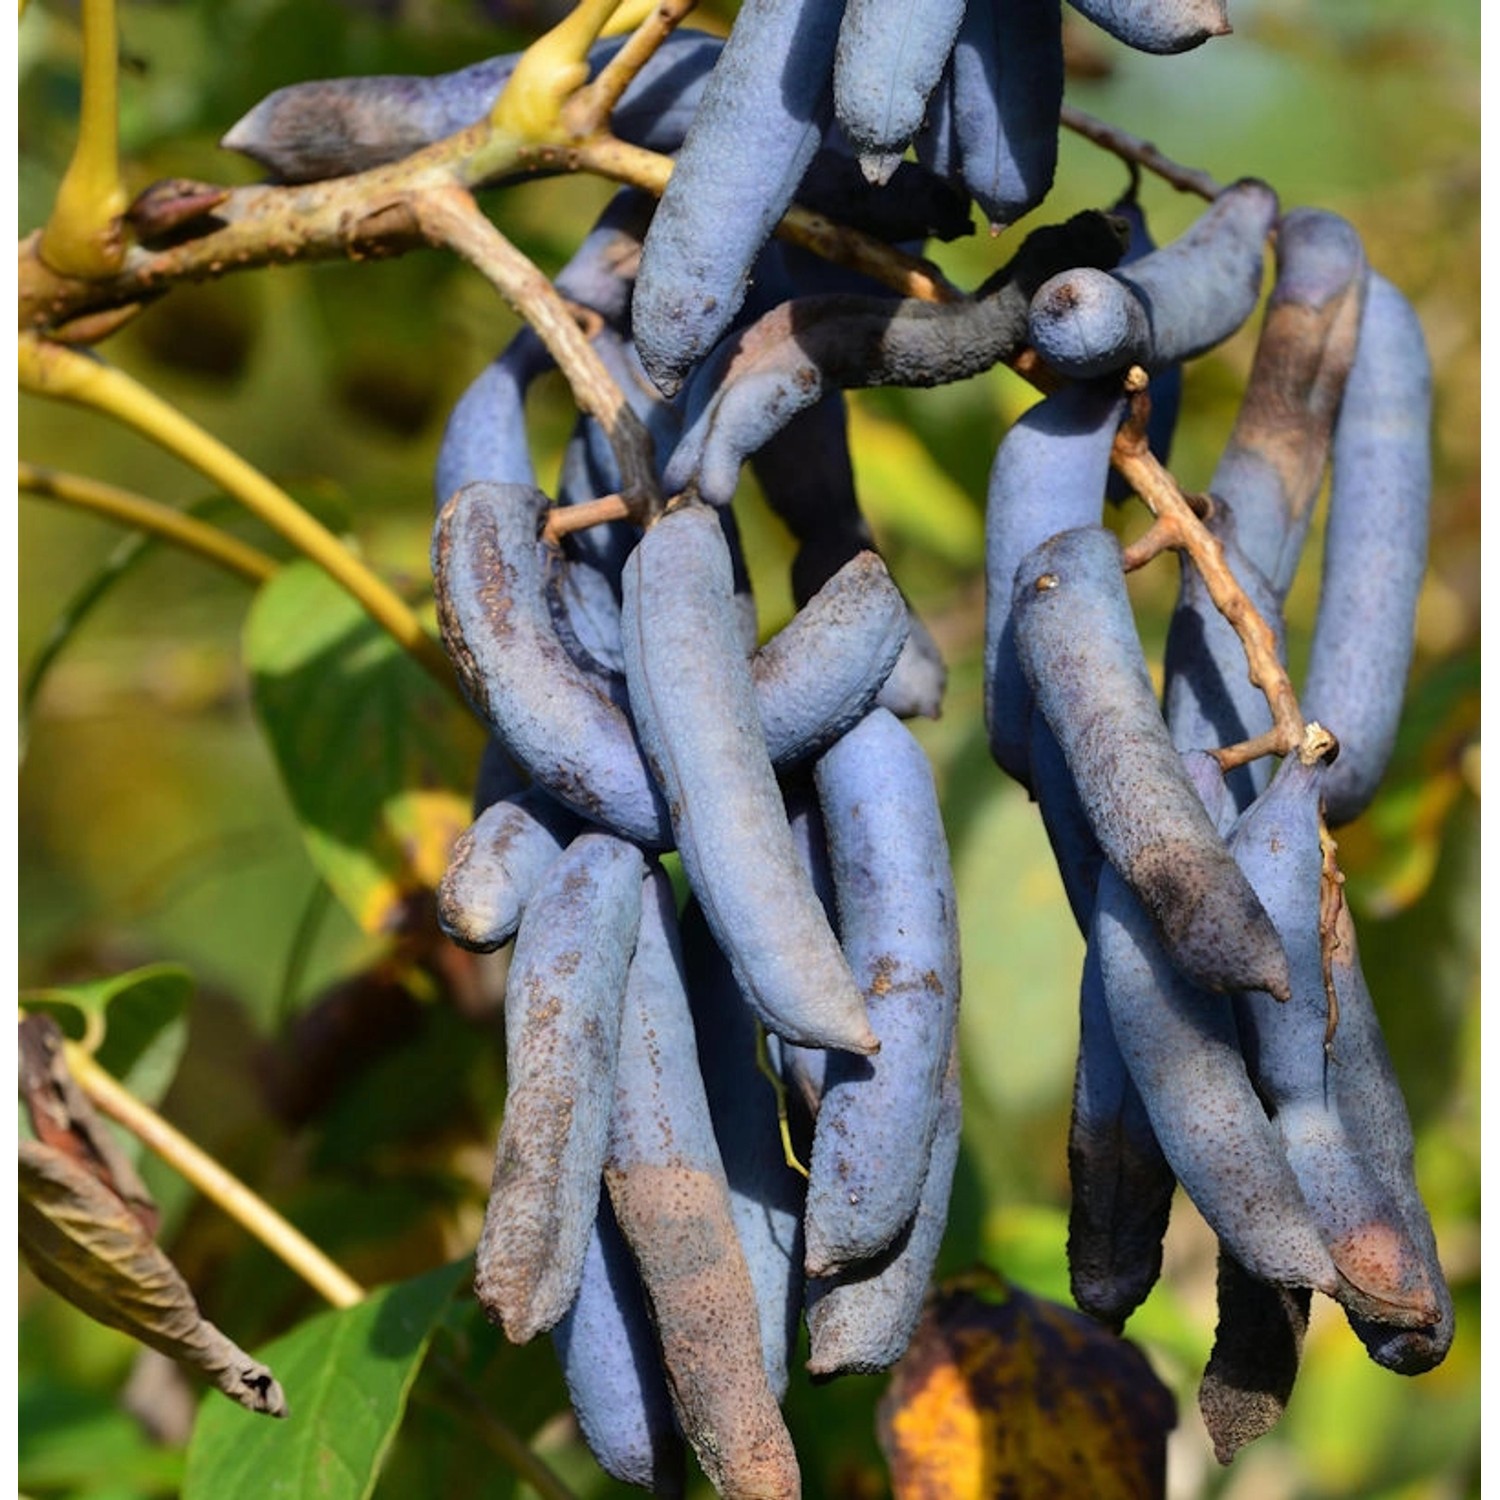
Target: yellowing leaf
[(1005, 1394)]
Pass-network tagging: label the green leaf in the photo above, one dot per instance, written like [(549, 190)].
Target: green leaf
[(141, 1016), (346, 1375), (376, 758)]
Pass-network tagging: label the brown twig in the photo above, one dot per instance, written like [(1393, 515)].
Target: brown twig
[(562, 519), (587, 112), (1132, 148)]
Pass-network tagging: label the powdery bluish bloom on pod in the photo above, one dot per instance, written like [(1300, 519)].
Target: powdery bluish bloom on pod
[(1271, 470), (563, 1001), (1374, 550), (889, 58), (1075, 850), (898, 927), (694, 704), (558, 720), (1183, 1052), (667, 1187), (1049, 475), (1005, 98), (498, 775), (761, 120), (1383, 1273), (1085, 323), (861, 1320), (496, 865), (1121, 1183), (766, 1193), (1257, 1348), (1159, 26), (606, 1345), (1077, 642)]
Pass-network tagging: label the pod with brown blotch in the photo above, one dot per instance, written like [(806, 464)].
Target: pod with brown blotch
[(1253, 1367), (1371, 1106), (557, 719), (898, 927), (1049, 475), (606, 1345), (1207, 694), (1166, 307), (1271, 469), (1374, 550), (694, 704), (1121, 1183), (563, 1000), (668, 1190), (1078, 646), (1384, 1276), (1183, 1052), (496, 865), (860, 1321), (766, 1194), (1158, 26)]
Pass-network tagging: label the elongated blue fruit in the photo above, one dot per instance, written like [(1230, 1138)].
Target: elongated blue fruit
[(486, 438), (1006, 98), (695, 708), (889, 58), (1183, 1052), (1171, 305), (558, 720), (667, 1187), (1076, 639), (606, 1346), (1160, 26), (498, 775), (898, 927), (1207, 694), (563, 1000), (1374, 550), (761, 120), (1075, 850), (496, 865), (1271, 469), (765, 1194), (332, 127), (1278, 844), (861, 1321), (1048, 476), (1253, 1366), (1371, 1106), (1121, 1183)]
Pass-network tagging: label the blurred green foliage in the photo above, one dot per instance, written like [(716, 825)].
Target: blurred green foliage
[(356, 1079)]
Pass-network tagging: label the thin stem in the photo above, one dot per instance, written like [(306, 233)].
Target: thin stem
[(53, 370), (587, 112), (209, 542), (83, 235), (561, 519), (1132, 148), (221, 1187)]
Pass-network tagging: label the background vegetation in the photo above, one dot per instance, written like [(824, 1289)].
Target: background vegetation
[(355, 1077)]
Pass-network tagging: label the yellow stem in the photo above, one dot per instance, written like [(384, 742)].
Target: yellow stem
[(246, 1208), (83, 235), (130, 509), (49, 369), (548, 71)]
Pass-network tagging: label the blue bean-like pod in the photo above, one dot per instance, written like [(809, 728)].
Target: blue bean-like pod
[(496, 865), (898, 927), (1049, 475), (1075, 850), (1374, 550), (1076, 638), (1158, 26), (694, 702), (1278, 844), (667, 1187), (563, 1000), (861, 1321), (498, 775), (558, 720), (606, 1346)]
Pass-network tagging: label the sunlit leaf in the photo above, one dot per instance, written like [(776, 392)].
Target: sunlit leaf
[(347, 1375), (85, 1243), (375, 757), (1001, 1393)]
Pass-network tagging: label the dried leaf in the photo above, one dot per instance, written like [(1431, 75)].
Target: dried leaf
[(1004, 1394), (84, 1242)]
